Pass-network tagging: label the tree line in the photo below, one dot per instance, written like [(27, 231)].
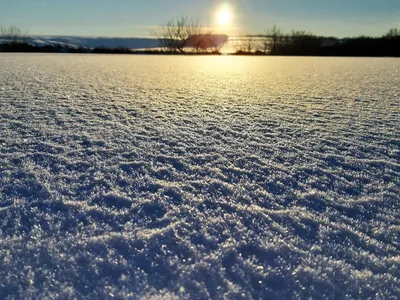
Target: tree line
[(276, 42), (185, 36)]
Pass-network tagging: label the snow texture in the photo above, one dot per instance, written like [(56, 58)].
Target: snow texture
[(199, 177)]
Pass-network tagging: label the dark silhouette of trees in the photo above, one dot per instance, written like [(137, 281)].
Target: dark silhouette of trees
[(273, 40), (13, 39), (393, 40), (246, 45), (249, 44), (301, 43), (206, 42), (172, 36), (182, 35), (12, 35), (393, 33)]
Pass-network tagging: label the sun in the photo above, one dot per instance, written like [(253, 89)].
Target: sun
[(224, 17)]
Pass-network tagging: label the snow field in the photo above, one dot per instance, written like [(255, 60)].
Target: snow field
[(199, 177)]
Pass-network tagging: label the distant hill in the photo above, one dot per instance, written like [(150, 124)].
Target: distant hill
[(93, 42)]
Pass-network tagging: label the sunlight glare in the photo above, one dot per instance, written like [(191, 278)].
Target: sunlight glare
[(224, 17)]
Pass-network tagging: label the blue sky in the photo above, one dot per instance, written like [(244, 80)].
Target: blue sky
[(128, 18)]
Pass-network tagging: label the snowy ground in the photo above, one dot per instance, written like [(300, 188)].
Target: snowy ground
[(199, 177)]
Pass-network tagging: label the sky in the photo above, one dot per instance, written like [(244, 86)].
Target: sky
[(133, 18)]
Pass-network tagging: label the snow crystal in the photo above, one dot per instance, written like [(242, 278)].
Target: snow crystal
[(199, 177)]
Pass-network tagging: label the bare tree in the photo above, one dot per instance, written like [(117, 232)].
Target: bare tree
[(265, 44), (249, 44), (172, 37), (166, 37), (245, 44), (207, 42), (274, 38), (180, 29), (218, 42), (394, 32), (12, 35)]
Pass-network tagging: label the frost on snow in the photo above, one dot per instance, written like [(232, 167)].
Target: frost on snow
[(199, 177)]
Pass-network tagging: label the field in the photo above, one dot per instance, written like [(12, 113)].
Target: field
[(199, 177)]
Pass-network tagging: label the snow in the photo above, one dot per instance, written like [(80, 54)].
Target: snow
[(93, 42), (199, 177)]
